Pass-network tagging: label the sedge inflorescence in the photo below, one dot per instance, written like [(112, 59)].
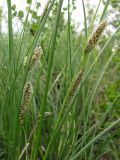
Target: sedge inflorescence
[(73, 88), (27, 93), (94, 37), (36, 55)]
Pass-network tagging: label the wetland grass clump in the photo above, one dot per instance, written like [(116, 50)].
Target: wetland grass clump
[(71, 106)]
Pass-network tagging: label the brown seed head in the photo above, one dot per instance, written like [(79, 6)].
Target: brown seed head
[(94, 37), (74, 86), (36, 55), (27, 92)]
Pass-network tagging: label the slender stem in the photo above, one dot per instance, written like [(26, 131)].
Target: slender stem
[(85, 20), (95, 139), (10, 31), (69, 38)]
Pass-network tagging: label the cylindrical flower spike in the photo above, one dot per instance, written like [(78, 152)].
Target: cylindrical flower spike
[(36, 55), (94, 37), (27, 93), (73, 88)]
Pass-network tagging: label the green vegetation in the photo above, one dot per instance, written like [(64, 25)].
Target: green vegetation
[(60, 88)]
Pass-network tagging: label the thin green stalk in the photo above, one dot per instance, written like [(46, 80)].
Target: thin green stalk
[(22, 37), (105, 131), (61, 117), (10, 31), (104, 11), (42, 108), (95, 126), (85, 20), (69, 39), (91, 25), (93, 93)]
